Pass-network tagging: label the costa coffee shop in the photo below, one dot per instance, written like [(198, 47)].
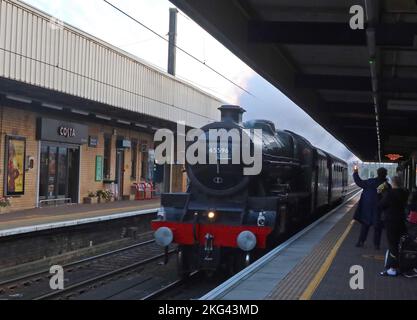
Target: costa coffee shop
[(59, 164), (78, 114), (55, 157)]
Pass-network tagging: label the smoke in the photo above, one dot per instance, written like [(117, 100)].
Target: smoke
[(269, 103)]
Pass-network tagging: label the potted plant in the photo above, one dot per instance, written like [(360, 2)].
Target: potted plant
[(105, 195), (4, 204), (92, 198), (100, 195), (110, 196)]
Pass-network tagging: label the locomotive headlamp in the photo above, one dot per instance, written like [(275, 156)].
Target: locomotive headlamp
[(246, 240), (163, 236), (161, 213), (211, 214)]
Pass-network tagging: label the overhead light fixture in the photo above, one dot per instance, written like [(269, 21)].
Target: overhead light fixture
[(19, 99), (123, 122), (51, 106), (103, 117), (402, 105), (141, 125), (84, 113)]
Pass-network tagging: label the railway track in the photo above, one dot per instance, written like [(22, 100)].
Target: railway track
[(83, 274), (88, 274)]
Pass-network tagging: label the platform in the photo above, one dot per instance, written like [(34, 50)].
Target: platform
[(315, 264), (36, 219)]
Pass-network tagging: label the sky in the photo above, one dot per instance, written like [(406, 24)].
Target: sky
[(266, 102)]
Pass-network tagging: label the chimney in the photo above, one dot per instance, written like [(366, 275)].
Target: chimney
[(231, 113)]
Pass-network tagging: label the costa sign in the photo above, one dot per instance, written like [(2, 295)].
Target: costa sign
[(66, 132), (61, 131)]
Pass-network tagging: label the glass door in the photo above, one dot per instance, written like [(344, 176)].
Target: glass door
[(52, 178), (59, 169), (43, 175), (119, 172), (62, 173)]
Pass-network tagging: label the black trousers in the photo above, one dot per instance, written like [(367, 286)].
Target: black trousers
[(377, 233), (394, 229)]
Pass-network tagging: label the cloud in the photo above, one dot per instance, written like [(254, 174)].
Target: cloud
[(102, 21)]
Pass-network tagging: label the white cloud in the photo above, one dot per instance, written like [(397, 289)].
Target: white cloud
[(101, 20)]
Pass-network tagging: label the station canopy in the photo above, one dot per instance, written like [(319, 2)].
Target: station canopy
[(359, 84)]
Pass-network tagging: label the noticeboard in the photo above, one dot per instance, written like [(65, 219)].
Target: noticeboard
[(99, 168)]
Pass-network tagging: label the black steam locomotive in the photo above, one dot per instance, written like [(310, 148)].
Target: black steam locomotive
[(228, 218)]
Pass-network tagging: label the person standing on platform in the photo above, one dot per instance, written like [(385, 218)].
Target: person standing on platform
[(393, 205), (367, 212)]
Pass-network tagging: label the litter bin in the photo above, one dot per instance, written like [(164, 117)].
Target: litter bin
[(140, 191)]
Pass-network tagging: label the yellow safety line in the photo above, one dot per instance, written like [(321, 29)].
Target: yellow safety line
[(312, 286)]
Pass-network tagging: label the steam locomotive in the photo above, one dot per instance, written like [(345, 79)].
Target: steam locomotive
[(227, 218)]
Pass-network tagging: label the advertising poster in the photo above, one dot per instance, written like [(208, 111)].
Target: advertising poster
[(15, 165)]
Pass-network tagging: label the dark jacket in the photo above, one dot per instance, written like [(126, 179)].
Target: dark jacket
[(393, 205), (367, 211)]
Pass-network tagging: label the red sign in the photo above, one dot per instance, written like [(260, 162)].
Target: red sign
[(393, 156)]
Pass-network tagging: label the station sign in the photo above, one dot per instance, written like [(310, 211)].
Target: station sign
[(93, 141), (124, 144)]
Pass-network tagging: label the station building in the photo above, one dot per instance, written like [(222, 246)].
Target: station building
[(78, 115)]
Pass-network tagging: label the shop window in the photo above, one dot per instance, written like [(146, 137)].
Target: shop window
[(134, 159), (106, 157)]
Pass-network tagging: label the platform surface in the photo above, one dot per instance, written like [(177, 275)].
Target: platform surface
[(317, 265), (263, 283), (25, 220), (335, 284)]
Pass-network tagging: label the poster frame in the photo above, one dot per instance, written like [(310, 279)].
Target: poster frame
[(8, 140)]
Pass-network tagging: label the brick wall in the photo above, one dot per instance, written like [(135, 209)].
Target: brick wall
[(19, 123), (88, 158), (23, 123)]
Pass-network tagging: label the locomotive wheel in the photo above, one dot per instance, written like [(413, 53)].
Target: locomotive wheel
[(183, 262)]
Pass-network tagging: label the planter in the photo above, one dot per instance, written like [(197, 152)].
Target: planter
[(90, 200), (102, 200)]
